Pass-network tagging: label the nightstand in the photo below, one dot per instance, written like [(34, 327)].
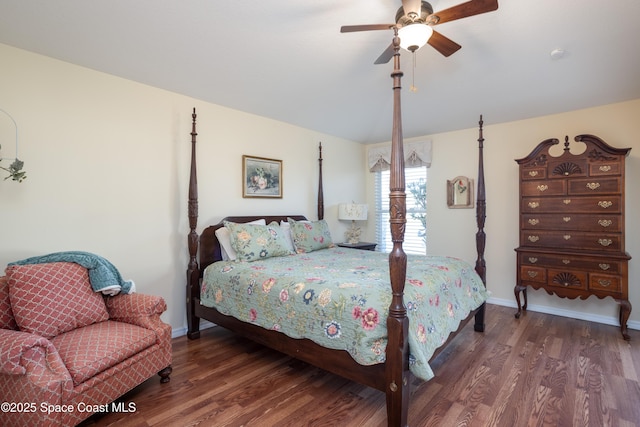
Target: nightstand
[(365, 246)]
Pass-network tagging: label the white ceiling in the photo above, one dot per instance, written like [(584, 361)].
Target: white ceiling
[(287, 60)]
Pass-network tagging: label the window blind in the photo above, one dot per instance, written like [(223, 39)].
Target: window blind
[(414, 236)]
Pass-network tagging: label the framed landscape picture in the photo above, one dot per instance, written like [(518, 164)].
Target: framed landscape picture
[(261, 177)]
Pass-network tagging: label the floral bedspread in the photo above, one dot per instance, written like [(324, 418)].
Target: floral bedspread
[(340, 299)]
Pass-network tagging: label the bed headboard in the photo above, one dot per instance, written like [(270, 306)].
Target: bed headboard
[(205, 247), (209, 249)]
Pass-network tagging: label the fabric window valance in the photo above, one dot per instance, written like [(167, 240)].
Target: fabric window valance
[(416, 154)]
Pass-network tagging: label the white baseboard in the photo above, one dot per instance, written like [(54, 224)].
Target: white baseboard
[(204, 324), (605, 320)]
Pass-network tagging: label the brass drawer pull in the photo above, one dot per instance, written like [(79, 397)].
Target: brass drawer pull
[(567, 236), (593, 185), (604, 266), (604, 282), (542, 187), (533, 205), (566, 261), (605, 204), (532, 274), (605, 168), (566, 218), (534, 221), (533, 260), (566, 201), (605, 222), (533, 173), (533, 239), (605, 242)]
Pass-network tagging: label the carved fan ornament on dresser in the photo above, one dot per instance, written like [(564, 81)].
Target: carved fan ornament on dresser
[(572, 224)]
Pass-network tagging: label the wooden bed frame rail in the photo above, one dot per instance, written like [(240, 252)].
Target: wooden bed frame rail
[(391, 377)]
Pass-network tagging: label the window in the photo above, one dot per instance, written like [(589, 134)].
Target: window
[(415, 240)]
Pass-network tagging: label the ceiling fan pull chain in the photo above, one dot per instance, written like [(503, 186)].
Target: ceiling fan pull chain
[(413, 87)]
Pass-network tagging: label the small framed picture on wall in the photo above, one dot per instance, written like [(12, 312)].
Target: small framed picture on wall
[(261, 177), (460, 193)]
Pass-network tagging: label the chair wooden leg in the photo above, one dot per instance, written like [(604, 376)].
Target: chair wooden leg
[(164, 374)]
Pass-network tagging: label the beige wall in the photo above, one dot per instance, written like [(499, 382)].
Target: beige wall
[(107, 162), (108, 168), (452, 231)]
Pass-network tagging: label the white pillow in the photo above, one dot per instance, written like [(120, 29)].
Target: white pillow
[(286, 228), (224, 238)]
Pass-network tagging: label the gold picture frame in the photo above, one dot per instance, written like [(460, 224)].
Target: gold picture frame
[(460, 193), (261, 177)]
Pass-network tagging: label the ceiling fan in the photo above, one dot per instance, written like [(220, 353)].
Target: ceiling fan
[(414, 21)]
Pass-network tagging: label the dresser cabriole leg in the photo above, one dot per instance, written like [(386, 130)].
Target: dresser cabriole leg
[(625, 312), (516, 290)]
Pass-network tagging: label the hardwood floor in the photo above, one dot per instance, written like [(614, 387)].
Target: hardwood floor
[(540, 370)]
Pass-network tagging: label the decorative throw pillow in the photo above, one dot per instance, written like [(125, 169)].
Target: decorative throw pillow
[(224, 238), (253, 242), (310, 236), (50, 299)]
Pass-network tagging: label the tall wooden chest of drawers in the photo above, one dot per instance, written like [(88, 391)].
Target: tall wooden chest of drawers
[(572, 223)]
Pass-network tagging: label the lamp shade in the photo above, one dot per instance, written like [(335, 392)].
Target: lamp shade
[(352, 212), (414, 36)]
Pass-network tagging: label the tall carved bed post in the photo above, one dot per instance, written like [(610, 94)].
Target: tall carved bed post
[(481, 213), (320, 193), (397, 365), (193, 273)]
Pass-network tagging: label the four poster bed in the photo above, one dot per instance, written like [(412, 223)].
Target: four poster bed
[(341, 294)]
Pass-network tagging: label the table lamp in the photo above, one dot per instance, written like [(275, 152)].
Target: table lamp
[(352, 212)]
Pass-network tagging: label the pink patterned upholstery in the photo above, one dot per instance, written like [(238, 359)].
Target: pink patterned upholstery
[(7, 321), (90, 350), (49, 299), (86, 366)]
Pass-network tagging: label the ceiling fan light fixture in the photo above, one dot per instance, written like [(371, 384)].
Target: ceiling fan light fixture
[(414, 36)]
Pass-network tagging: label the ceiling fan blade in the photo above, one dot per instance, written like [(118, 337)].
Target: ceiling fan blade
[(443, 44), (410, 6), (386, 55), (354, 28), (463, 10)]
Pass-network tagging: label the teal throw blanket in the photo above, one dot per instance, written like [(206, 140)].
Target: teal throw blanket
[(103, 275)]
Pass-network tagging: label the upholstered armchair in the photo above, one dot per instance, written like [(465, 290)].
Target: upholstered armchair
[(66, 351)]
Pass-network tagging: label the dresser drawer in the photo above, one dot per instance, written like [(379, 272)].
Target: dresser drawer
[(574, 168), (571, 240), (594, 185), (533, 173), (576, 204), (591, 264), (605, 223), (604, 282), (544, 188), (567, 279), (605, 168), (533, 274)]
